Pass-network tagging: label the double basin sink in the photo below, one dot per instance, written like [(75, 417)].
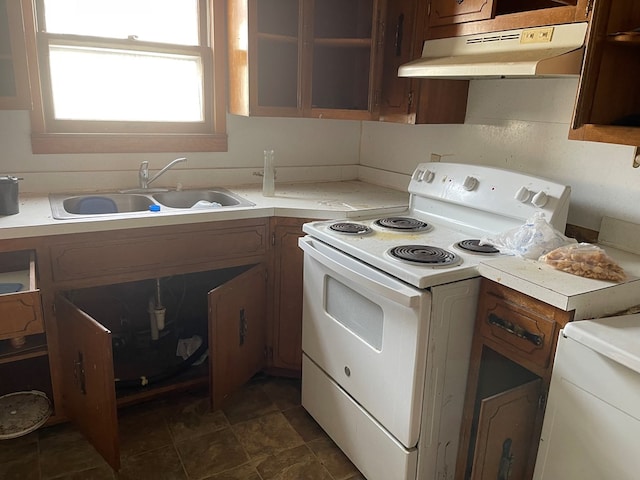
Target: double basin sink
[(67, 206)]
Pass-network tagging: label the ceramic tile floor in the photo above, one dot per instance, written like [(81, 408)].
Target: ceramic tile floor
[(264, 434)]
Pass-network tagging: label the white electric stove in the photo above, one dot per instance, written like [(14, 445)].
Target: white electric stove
[(389, 306)]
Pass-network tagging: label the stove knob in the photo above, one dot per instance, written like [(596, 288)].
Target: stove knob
[(470, 183), (417, 175), (523, 194), (428, 176), (540, 199)]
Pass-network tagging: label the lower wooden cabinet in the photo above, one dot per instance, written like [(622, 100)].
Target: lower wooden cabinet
[(211, 282), (286, 335), (510, 368), (89, 341), (102, 368)]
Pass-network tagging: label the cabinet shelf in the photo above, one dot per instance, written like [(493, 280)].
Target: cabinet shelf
[(195, 378), (343, 42), (276, 37), (35, 346)]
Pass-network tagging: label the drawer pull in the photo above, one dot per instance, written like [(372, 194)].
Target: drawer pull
[(516, 330)]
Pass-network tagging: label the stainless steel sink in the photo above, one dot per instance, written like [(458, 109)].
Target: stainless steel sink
[(68, 206), (199, 199)]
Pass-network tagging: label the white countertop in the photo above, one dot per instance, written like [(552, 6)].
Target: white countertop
[(589, 298), (351, 199), (303, 200)]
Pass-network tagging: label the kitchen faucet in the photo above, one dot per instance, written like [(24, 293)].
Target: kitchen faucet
[(143, 172)]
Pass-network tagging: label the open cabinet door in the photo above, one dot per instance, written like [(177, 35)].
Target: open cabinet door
[(237, 332), (88, 388), (506, 432)]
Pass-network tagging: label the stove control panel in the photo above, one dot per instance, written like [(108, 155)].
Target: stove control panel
[(451, 189)]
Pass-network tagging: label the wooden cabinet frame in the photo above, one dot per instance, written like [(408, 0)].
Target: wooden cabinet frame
[(245, 39), (521, 346), (567, 13), (608, 83), (80, 348), (16, 58)]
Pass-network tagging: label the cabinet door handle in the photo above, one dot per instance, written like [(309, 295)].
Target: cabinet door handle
[(516, 330), (78, 373), (243, 326), (399, 34)]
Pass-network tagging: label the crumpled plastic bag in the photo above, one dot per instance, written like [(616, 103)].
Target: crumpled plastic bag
[(585, 260), (531, 240)]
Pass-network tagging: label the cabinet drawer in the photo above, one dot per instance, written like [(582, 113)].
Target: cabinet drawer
[(518, 330), (189, 249), (21, 311)]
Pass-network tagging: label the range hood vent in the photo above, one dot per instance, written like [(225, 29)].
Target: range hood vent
[(552, 51)]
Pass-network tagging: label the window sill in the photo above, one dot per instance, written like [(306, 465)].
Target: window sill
[(135, 143)]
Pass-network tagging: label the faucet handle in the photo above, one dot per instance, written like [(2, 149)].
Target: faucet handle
[(143, 174)]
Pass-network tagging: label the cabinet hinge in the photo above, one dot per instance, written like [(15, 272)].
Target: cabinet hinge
[(410, 102), (268, 353), (542, 401), (273, 239), (428, 9), (376, 98), (53, 307)]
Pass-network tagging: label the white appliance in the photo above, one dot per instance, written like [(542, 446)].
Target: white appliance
[(591, 427), (550, 51), (386, 341)]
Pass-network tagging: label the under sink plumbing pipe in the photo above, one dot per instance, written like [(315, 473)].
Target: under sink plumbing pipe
[(157, 313)]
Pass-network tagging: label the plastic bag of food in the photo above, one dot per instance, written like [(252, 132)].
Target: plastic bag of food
[(531, 240), (585, 260)]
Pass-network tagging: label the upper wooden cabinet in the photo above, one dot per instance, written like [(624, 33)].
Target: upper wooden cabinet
[(450, 18), (14, 78), (306, 58), (413, 100), (445, 12), (608, 104)]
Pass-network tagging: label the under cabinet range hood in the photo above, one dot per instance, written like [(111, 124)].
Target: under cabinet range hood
[(551, 51)]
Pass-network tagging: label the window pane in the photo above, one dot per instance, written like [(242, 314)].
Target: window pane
[(98, 84), (167, 21)]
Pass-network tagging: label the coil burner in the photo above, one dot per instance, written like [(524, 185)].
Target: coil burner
[(425, 255), (404, 224), (350, 228), (474, 246)]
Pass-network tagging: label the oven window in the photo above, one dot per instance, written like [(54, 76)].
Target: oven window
[(358, 314)]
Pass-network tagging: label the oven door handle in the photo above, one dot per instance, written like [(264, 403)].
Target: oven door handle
[(388, 287)]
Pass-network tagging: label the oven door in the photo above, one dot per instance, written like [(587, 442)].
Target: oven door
[(368, 332)]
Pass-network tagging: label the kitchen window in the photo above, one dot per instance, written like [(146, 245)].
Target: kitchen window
[(129, 76)]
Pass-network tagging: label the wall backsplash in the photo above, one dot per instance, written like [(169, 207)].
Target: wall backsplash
[(305, 150), (519, 125), (515, 124)]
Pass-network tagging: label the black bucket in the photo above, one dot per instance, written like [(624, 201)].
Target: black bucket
[(8, 195)]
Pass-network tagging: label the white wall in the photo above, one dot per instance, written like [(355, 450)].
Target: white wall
[(520, 125), (305, 150), (514, 124)]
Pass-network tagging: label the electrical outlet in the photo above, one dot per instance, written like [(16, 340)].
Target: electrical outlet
[(435, 157), (537, 35)]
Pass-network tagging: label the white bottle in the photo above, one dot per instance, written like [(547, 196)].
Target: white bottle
[(269, 174)]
